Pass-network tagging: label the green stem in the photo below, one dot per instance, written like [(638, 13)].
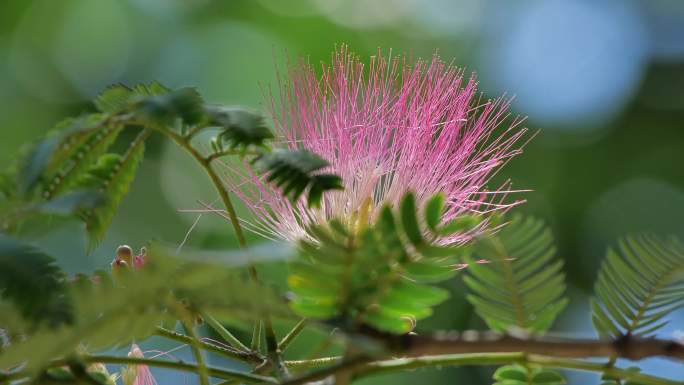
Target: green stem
[(314, 363), (285, 342), (215, 155), (225, 374), (224, 333), (255, 345), (206, 164), (197, 352), (244, 356), (274, 352), (216, 180), (194, 131), (508, 358)]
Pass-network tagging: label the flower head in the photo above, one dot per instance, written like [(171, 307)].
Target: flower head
[(386, 129), (137, 374), (102, 369), (124, 259)]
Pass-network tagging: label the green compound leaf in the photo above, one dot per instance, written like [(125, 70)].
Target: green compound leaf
[(32, 281), (238, 127), (521, 283), (520, 375), (110, 312), (638, 285), (112, 176), (434, 209), (163, 110), (298, 171), (119, 97), (79, 162), (373, 275), (58, 160)]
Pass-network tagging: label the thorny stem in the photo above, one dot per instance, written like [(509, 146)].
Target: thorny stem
[(199, 357), (362, 369), (285, 342), (275, 354), (216, 180), (364, 366), (629, 347), (313, 363), (206, 164), (485, 348), (481, 359), (244, 356), (216, 155), (425, 355), (180, 365), (224, 333)]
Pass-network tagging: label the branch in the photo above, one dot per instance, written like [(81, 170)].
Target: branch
[(508, 358), (223, 193), (226, 335), (298, 328), (313, 363), (245, 356), (349, 364), (206, 164), (202, 370), (629, 347), (487, 348), (225, 374), (216, 155)]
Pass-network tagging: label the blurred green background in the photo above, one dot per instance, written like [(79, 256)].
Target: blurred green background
[(602, 80)]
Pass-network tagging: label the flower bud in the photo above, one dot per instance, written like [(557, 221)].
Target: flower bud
[(140, 259), (101, 369), (119, 267), (125, 253), (137, 374)]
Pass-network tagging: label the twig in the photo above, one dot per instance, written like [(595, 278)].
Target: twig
[(206, 164), (225, 334), (285, 342), (225, 374), (245, 356), (632, 348), (199, 357), (388, 366)]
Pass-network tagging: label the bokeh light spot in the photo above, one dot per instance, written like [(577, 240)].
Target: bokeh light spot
[(568, 62), (94, 44)]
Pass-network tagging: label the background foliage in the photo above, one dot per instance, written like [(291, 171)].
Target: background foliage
[(607, 97)]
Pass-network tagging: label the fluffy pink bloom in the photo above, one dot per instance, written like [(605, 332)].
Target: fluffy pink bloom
[(137, 374), (140, 260), (386, 128)]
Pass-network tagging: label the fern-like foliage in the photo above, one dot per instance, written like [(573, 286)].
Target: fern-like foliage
[(119, 97), (69, 149), (32, 281), (112, 175), (298, 171), (639, 283), (380, 275), (75, 161), (520, 284), (238, 128), (110, 312)]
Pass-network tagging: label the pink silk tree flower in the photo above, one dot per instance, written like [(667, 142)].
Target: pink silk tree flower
[(137, 374), (140, 260), (386, 128)]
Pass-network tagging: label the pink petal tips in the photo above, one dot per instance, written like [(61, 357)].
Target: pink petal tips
[(386, 128), (137, 374)]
